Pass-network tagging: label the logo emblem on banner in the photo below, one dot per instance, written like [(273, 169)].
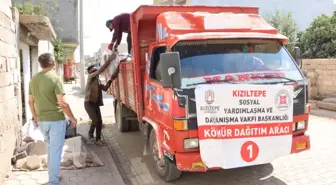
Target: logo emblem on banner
[(282, 100), (209, 97)]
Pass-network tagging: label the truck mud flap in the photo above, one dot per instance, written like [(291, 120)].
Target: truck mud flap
[(147, 130)]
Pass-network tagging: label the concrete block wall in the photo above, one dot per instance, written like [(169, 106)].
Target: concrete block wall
[(322, 77), (10, 87)]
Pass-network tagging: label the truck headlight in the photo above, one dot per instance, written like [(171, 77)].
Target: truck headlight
[(294, 127), (191, 143), (301, 125)]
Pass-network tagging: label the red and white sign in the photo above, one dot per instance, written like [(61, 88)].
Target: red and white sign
[(240, 77), (243, 124)]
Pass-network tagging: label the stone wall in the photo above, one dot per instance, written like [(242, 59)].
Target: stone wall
[(10, 87), (322, 77)]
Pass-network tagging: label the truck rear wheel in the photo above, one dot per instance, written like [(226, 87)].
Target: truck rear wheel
[(122, 123), (165, 168), (142, 127), (134, 125)]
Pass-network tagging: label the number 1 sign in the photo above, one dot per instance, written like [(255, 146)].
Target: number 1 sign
[(249, 151)]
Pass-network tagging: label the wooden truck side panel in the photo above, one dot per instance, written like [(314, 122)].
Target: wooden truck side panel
[(123, 87), (129, 88)]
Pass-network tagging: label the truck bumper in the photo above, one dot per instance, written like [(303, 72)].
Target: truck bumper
[(300, 144), (192, 162)]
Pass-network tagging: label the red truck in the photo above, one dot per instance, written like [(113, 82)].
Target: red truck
[(211, 88), (68, 72)]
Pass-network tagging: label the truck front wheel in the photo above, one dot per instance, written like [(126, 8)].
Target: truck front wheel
[(165, 168), (123, 125)]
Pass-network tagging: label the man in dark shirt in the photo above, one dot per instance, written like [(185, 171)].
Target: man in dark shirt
[(94, 98), (120, 24)]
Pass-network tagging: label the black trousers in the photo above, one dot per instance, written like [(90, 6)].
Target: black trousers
[(129, 42), (94, 113)]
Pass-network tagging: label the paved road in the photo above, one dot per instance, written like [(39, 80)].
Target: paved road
[(105, 175), (317, 166)]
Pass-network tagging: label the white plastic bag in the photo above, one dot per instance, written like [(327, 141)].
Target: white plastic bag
[(113, 66), (30, 132)]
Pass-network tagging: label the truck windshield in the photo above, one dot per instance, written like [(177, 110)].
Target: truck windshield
[(235, 60)]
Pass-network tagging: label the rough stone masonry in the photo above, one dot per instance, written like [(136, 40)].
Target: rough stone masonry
[(322, 77), (10, 87)]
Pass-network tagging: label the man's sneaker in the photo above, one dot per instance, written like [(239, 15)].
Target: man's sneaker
[(60, 178), (91, 139), (100, 143)]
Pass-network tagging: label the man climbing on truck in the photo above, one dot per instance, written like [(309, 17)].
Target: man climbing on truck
[(120, 24)]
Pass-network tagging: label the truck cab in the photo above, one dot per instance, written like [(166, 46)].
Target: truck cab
[(211, 88)]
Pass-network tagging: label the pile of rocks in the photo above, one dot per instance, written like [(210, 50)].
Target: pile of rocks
[(29, 155), (32, 154)]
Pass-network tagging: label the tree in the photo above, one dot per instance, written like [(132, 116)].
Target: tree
[(41, 8), (59, 51), (286, 25), (319, 39)]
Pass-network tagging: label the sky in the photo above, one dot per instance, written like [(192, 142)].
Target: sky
[(96, 12)]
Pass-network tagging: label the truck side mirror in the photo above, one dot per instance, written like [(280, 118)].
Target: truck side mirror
[(170, 70), (297, 57)]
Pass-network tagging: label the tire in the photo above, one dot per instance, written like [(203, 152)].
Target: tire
[(123, 125), (134, 125), (142, 127), (165, 168)]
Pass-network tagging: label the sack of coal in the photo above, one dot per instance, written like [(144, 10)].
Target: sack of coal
[(70, 131)]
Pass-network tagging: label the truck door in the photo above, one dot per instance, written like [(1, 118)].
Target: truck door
[(153, 94)]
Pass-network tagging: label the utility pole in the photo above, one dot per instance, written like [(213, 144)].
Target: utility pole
[(82, 62)]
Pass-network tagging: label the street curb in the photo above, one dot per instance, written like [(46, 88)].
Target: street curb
[(323, 113), (120, 168)]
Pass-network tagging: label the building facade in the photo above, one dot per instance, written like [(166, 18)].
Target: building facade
[(20, 45), (31, 45), (10, 86), (304, 11), (65, 20), (172, 2)]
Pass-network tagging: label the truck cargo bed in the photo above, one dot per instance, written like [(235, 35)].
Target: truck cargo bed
[(123, 88)]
